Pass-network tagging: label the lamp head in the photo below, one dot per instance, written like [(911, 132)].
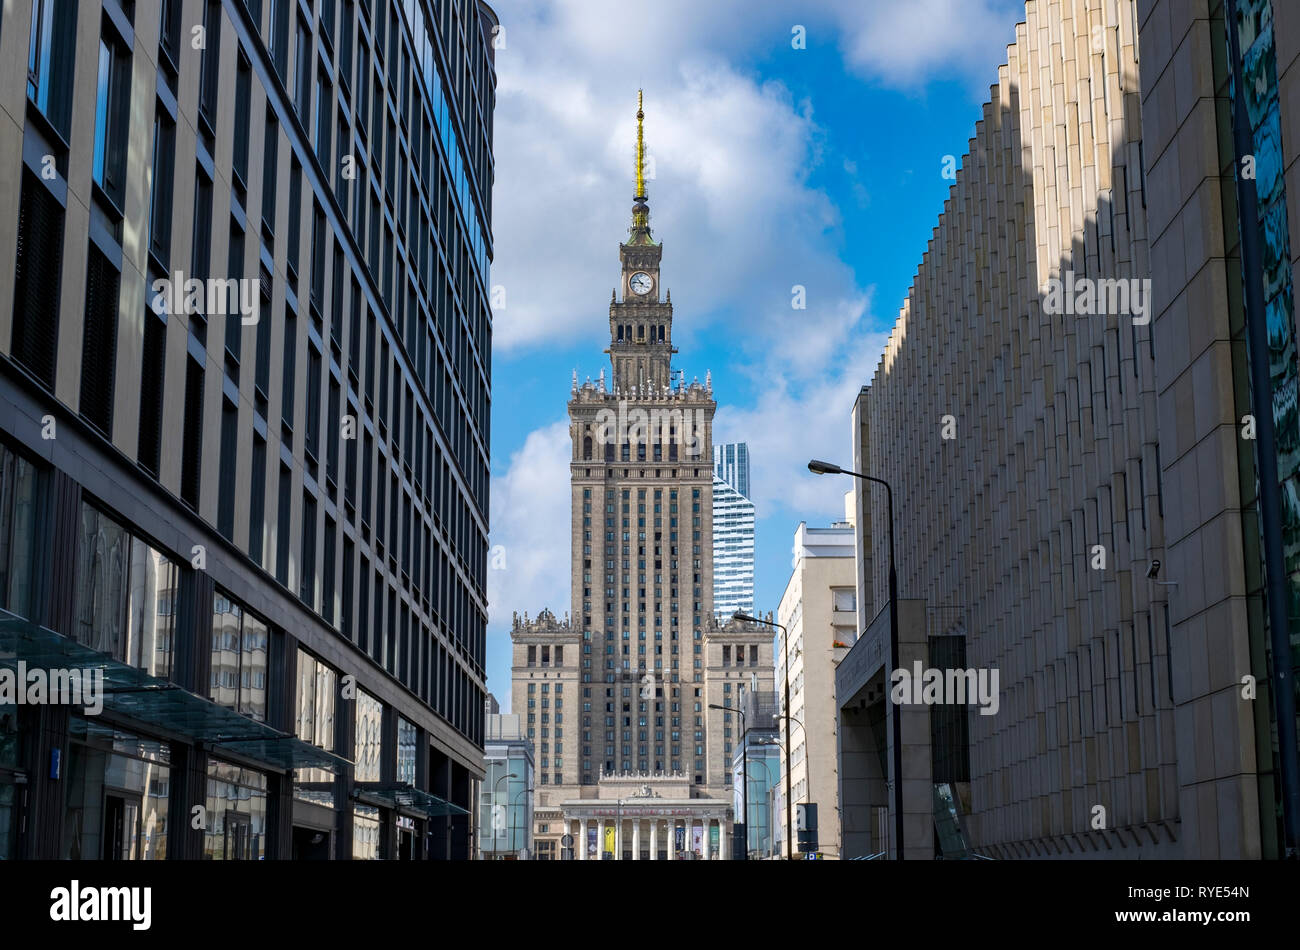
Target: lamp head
[(818, 467)]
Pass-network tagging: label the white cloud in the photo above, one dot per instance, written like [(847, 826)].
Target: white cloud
[(800, 416), (530, 529), (904, 44), (728, 193), (732, 156)]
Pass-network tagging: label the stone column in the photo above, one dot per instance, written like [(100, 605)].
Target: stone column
[(618, 838), (654, 839), (600, 841), (582, 839), (672, 839), (722, 839), (636, 839)]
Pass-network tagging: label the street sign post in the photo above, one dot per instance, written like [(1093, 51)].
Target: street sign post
[(806, 826)]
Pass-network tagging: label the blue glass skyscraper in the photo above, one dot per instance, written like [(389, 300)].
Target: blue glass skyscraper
[(733, 531)]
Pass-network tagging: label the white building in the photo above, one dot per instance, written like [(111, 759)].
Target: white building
[(819, 611)]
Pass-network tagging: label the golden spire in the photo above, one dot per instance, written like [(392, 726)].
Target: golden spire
[(640, 229), (640, 150)]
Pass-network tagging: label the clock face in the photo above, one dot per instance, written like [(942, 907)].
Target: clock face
[(641, 283)]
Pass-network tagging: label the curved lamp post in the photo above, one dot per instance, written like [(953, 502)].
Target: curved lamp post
[(785, 640), (744, 782), (519, 794), (818, 467), (495, 786)]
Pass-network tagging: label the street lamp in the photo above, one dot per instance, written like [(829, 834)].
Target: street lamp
[(518, 795), (785, 640), (744, 780), (495, 786), (807, 769), (827, 468)]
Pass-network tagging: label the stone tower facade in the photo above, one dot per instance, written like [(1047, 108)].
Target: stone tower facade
[(640, 658)]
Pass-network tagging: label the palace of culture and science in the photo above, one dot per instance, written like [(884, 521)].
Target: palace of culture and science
[(631, 760)]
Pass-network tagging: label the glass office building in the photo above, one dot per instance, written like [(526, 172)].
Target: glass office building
[(505, 826), (244, 401), (758, 757), (733, 531), (731, 464)]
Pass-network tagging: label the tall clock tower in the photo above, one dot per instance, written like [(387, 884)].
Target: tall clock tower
[(630, 674), (641, 323)]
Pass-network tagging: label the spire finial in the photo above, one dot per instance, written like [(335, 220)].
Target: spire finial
[(640, 229), (640, 150)]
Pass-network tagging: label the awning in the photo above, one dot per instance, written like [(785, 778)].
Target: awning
[(404, 797), (155, 702)]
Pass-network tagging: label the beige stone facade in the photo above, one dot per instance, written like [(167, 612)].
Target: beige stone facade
[(1043, 459), (1052, 457)]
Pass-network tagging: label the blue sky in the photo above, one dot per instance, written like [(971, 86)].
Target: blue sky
[(773, 166)]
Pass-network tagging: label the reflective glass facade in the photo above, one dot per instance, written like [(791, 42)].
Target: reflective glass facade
[(270, 382)]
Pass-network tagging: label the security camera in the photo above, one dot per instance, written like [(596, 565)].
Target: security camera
[(1154, 570)]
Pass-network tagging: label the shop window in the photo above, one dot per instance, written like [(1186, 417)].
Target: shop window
[(317, 688), (407, 739), (365, 833), (369, 754), (126, 595), (116, 787), (240, 645), (18, 499), (236, 829)]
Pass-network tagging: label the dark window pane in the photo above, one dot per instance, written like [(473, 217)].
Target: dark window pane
[(192, 447), (112, 102), (152, 367), (50, 60), (229, 469), (270, 169), (210, 77), (257, 502), (289, 359), (99, 342), (160, 199), (243, 86), (284, 515), (36, 280)]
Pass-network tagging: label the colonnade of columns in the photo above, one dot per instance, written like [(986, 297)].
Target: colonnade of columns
[(630, 830)]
